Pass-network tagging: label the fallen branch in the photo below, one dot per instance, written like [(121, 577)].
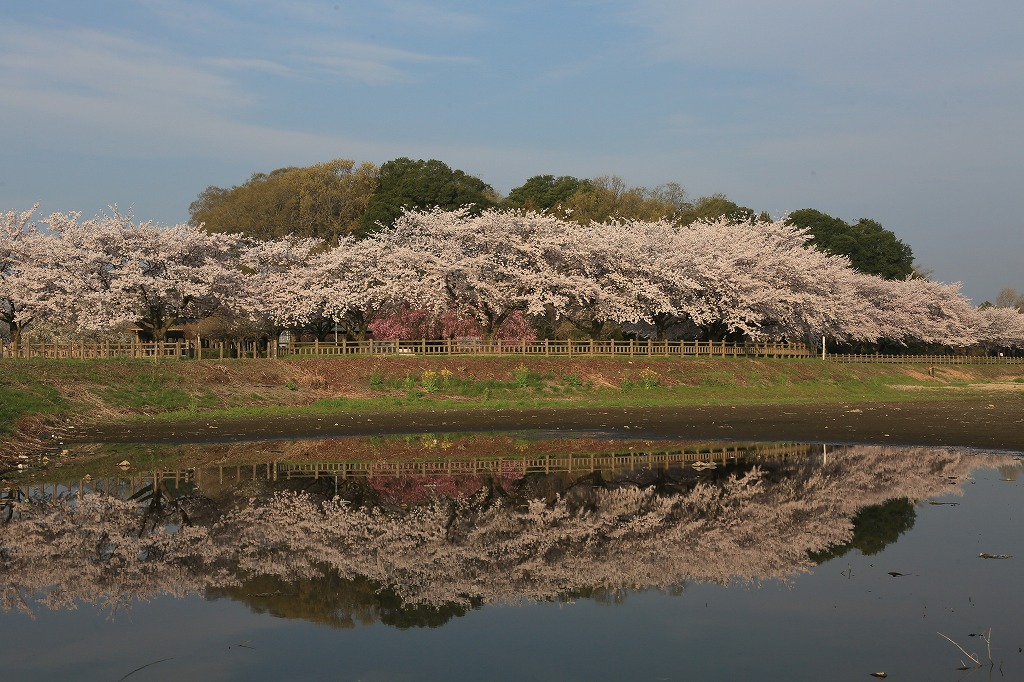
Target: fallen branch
[(144, 667), (962, 650)]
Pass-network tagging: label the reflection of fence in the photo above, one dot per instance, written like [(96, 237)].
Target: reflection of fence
[(182, 480), (547, 348), (930, 359), (578, 463), (121, 487)]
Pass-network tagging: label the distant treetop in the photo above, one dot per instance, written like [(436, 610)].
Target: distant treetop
[(871, 248), (404, 183), (326, 201)]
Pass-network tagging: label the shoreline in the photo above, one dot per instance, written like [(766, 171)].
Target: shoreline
[(991, 422)]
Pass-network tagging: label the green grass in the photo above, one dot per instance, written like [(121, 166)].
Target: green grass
[(140, 389), (502, 395), (32, 399)]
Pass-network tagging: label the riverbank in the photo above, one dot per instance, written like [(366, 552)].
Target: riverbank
[(996, 423), (705, 397)]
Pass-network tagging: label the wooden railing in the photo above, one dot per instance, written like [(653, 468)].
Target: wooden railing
[(470, 346), (929, 359), (547, 348), (173, 350)]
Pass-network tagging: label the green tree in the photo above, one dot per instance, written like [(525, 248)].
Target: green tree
[(713, 207), (544, 192), (609, 197), (326, 200), (871, 248), (404, 183)]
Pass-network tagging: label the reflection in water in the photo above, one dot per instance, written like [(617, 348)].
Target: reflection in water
[(417, 543)]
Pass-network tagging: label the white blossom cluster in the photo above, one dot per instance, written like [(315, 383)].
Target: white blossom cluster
[(757, 279)]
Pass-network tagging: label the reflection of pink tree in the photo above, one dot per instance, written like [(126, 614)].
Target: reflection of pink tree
[(406, 490)]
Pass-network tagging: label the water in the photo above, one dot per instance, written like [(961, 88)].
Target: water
[(517, 557)]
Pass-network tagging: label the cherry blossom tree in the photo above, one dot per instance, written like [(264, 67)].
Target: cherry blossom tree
[(1002, 327), (26, 283), (278, 284), (115, 271), (460, 274), (491, 264)]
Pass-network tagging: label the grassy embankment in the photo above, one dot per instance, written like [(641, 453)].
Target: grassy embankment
[(45, 391)]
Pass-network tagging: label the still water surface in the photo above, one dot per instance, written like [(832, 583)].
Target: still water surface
[(515, 557)]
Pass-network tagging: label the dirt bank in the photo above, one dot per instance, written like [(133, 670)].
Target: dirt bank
[(986, 423)]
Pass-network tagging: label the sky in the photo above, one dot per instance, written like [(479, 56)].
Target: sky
[(910, 112)]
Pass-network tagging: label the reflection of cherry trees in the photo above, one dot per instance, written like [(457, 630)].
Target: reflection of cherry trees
[(91, 550), (499, 543)]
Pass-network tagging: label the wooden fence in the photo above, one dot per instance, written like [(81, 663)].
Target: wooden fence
[(548, 348), (172, 350), (929, 359), (180, 350)]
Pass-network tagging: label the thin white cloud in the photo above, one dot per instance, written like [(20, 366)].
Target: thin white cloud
[(265, 66), (432, 14), (869, 44), (371, 64), (87, 65)]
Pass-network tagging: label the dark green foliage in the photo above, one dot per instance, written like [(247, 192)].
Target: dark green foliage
[(329, 599), (871, 248), (404, 183), (874, 528), (543, 192)]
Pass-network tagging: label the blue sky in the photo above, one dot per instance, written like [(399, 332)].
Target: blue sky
[(910, 112)]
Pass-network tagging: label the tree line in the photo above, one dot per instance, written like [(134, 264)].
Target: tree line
[(499, 273), (341, 198)]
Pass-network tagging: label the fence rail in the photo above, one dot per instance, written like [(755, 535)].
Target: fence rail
[(548, 348), (929, 359), (180, 350), (173, 350)]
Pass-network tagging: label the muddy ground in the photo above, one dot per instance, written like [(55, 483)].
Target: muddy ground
[(995, 422)]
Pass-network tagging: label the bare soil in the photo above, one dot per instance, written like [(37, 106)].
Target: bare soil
[(990, 423)]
